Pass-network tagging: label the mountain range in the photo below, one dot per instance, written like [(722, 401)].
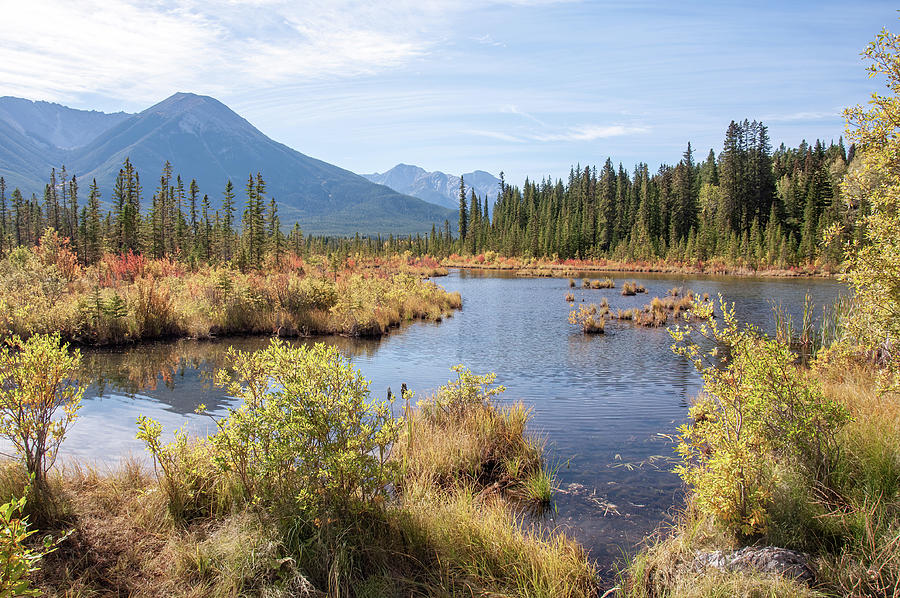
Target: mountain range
[(437, 187), (204, 140)]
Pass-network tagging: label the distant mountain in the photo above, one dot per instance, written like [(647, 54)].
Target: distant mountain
[(437, 187), (55, 126), (205, 140)]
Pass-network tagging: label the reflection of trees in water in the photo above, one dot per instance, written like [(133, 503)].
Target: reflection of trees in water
[(147, 366)]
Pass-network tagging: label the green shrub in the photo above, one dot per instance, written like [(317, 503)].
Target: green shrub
[(757, 411), (39, 399), (306, 432), (18, 560)]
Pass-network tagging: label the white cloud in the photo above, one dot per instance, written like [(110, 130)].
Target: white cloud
[(137, 50), (590, 133), (803, 116), (570, 134), (60, 50)]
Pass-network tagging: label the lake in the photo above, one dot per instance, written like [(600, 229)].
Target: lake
[(604, 404)]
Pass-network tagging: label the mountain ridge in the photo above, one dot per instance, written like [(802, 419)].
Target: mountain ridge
[(437, 187), (204, 139)]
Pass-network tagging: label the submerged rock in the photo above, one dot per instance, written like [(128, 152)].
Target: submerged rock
[(765, 559)]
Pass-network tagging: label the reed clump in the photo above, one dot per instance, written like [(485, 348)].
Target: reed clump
[(676, 305), (589, 318), (606, 283), (630, 288)]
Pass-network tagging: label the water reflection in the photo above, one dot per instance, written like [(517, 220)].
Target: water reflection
[(175, 370)]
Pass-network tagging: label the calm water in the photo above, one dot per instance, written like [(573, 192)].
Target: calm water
[(603, 403)]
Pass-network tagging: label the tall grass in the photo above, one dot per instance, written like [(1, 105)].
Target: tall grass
[(126, 298)]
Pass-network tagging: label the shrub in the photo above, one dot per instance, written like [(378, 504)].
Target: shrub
[(39, 399), (307, 427), (18, 560), (756, 411)]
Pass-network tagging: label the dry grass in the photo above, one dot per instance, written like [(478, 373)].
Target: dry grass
[(590, 318), (675, 305), (632, 288), (484, 550), (127, 298)]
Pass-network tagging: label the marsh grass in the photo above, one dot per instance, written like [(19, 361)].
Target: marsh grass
[(590, 318), (128, 298), (631, 288), (606, 283), (660, 311)]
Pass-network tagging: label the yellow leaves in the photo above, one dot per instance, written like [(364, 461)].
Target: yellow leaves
[(37, 382)]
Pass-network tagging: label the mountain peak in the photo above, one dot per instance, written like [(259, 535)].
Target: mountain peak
[(181, 102), (435, 187), (196, 113)]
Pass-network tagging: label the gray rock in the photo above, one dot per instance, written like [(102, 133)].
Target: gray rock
[(765, 559)]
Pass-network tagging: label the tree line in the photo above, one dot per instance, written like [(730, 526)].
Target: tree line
[(748, 204)]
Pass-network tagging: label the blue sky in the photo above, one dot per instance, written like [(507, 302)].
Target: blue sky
[(530, 87)]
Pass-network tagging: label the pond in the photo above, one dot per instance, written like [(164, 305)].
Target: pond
[(604, 404)]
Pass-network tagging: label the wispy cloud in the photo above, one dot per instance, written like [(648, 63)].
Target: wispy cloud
[(495, 135), (803, 116), (61, 50), (591, 133), (488, 40), (569, 134)]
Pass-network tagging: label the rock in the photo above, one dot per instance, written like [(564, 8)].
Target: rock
[(765, 559)]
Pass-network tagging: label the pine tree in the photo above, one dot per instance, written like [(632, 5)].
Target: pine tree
[(463, 213)]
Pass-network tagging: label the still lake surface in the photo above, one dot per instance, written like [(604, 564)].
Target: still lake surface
[(604, 404)]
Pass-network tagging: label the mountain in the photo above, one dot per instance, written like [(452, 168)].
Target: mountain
[(54, 126), (437, 187), (205, 140)]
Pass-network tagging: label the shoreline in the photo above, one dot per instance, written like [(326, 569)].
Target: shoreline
[(570, 267)]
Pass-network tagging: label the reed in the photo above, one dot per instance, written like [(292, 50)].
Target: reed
[(589, 318), (632, 288)]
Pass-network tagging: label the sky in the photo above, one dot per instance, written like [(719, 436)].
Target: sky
[(528, 87)]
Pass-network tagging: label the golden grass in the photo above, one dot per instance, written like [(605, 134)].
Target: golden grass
[(487, 551), (630, 288), (129, 298)]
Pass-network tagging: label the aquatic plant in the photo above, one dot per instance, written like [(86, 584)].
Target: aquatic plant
[(632, 288), (586, 318)]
